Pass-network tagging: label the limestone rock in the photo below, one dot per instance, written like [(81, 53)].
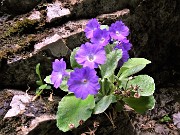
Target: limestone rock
[(56, 11), (19, 71), (35, 15), (55, 44)]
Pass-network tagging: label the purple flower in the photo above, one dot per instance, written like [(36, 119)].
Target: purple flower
[(118, 30), (125, 48), (100, 37), (91, 26), (125, 57), (83, 82), (90, 55), (58, 72), (125, 45)]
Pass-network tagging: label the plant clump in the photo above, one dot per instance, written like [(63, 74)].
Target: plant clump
[(92, 84)]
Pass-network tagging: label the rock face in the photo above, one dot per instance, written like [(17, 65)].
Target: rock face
[(57, 42), (154, 34), (18, 6)]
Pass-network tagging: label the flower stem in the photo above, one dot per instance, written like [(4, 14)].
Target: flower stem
[(103, 90), (119, 73)]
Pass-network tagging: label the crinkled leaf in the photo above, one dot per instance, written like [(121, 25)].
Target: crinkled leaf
[(74, 64), (72, 110), (111, 63), (133, 66), (141, 104), (131, 71), (146, 84), (104, 103), (109, 48)]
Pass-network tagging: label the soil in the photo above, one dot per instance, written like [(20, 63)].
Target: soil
[(150, 123)]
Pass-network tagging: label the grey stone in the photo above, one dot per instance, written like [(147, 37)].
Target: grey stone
[(55, 44), (93, 8), (56, 11), (35, 15)]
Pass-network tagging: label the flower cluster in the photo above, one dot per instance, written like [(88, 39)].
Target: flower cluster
[(116, 33), (84, 81)]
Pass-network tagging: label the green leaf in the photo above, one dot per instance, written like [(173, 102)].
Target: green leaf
[(109, 48), (111, 63), (141, 104), (131, 71), (104, 27), (42, 87), (132, 66), (38, 91), (64, 85), (74, 64), (104, 103), (39, 83), (106, 86), (72, 110), (48, 79), (48, 87), (119, 106), (69, 70), (165, 119), (146, 84), (37, 69), (98, 97)]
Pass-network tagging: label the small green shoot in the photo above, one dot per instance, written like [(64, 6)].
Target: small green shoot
[(165, 119), (41, 84)]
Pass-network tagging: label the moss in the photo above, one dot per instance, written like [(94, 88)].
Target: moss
[(20, 27), (20, 35), (20, 43)]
